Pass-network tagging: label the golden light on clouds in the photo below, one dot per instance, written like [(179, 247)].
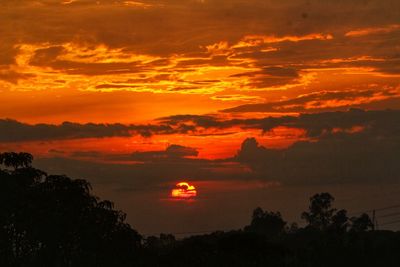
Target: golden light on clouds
[(374, 30)]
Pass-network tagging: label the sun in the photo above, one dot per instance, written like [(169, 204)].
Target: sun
[(183, 190)]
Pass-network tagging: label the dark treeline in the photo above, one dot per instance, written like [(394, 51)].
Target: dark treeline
[(55, 221)]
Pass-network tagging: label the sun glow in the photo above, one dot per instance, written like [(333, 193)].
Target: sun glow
[(183, 190)]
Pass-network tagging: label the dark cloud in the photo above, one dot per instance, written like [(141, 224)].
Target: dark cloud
[(270, 76), (44, 56), (177, 151), (82, 154), (374, 123), (342, 158), (72, 67), (14, 131), (172, 152), (315, 125), (341, 153), (198, 120), (322, 101), (13, 76), (7, 53)]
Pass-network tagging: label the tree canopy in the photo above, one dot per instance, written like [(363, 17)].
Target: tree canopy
[(53, 220)]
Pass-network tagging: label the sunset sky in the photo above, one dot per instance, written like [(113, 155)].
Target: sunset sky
[(253, 102)]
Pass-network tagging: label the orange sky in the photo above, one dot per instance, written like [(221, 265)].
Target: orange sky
[(137, 77), (136, 61)]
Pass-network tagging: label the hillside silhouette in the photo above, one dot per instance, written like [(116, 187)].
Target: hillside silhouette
[(53, 220)]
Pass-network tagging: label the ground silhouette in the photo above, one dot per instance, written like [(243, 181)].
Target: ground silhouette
[(53, 220)]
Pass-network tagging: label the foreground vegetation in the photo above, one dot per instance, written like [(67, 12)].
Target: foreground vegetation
[(55, 221)]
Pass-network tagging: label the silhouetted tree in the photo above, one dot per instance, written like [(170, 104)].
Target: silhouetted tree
[(267, 223), (320, 211), (362, 223), (52, 220), (340, 222), (16, 160)]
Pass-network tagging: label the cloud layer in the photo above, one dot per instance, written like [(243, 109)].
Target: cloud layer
[(356, 146), (315, 125)]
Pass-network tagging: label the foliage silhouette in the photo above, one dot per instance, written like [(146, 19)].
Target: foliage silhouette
[(362, 223), (52, 220), (320, 211), (15, 160), (267, 223)]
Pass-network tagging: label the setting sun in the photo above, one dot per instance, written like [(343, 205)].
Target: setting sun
[(183, 190)]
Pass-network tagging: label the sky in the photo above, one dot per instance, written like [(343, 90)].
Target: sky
[(252, 102)]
